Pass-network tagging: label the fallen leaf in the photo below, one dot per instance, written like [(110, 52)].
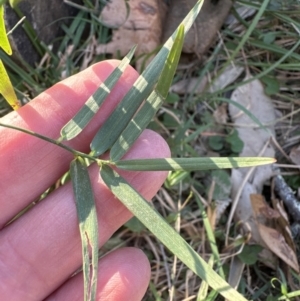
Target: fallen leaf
[(189, 85), (194, 86), (252, 97), (220, 113), (277, 244), (243, 11), (259, 106), (261, 210), (227, 77), (204, 31), (139, 24), (271, 238), (283, 225)]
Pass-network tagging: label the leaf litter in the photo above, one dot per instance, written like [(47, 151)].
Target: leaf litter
[(253, 98), (148, 23), (190, 224), (271, 238), (140, 23), (205, 29), (194, 86), (249, 207)]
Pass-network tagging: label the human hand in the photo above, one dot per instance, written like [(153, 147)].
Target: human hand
[(42, 249)]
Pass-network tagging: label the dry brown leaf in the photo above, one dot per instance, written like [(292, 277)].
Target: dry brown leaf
[(262, 211), (204, 31), (270, 237), (283, 225), (220, 113), (212, 215), (142, 26), (277, 244)]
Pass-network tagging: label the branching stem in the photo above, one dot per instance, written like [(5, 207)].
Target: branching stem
[(74, 152)]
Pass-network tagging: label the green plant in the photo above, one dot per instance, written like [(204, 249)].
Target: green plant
[(6, 88), (117, 135)]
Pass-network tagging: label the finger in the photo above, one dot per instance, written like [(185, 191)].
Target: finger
[(30, 165), (41, 250), (122, 275)]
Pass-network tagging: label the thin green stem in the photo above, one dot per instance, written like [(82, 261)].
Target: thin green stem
[(244, 38), (247, 34), (29, 31), (55, 142)]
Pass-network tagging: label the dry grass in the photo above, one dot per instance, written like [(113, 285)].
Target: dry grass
[(277, 31)]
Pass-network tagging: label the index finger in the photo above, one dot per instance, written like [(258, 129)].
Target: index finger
[(30, 165)]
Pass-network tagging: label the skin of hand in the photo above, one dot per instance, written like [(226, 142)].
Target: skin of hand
[(41, 250)]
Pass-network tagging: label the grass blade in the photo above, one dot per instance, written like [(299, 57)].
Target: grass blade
[(118, 120), (88, 225), (244, 110), (166, 234), (202, 292), (152, 104), (246, 35), (4, 42), (93, 104), (210, 236), (7, 89), (167, 75), (191, 164), (136, 126)]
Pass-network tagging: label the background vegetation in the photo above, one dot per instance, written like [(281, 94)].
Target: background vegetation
[(187, 122)]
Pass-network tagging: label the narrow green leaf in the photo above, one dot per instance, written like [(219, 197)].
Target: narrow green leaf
[(190, 164), (167, 75), (88, 225), (246, 35), (202, 292), (93, 104), (118, 120), (166, 234), (14, 3), (4, 43), (211, 237), (6, 88), (152, 104), (136, 126)]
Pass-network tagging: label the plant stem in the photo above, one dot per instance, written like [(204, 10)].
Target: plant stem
[(53, 141)]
